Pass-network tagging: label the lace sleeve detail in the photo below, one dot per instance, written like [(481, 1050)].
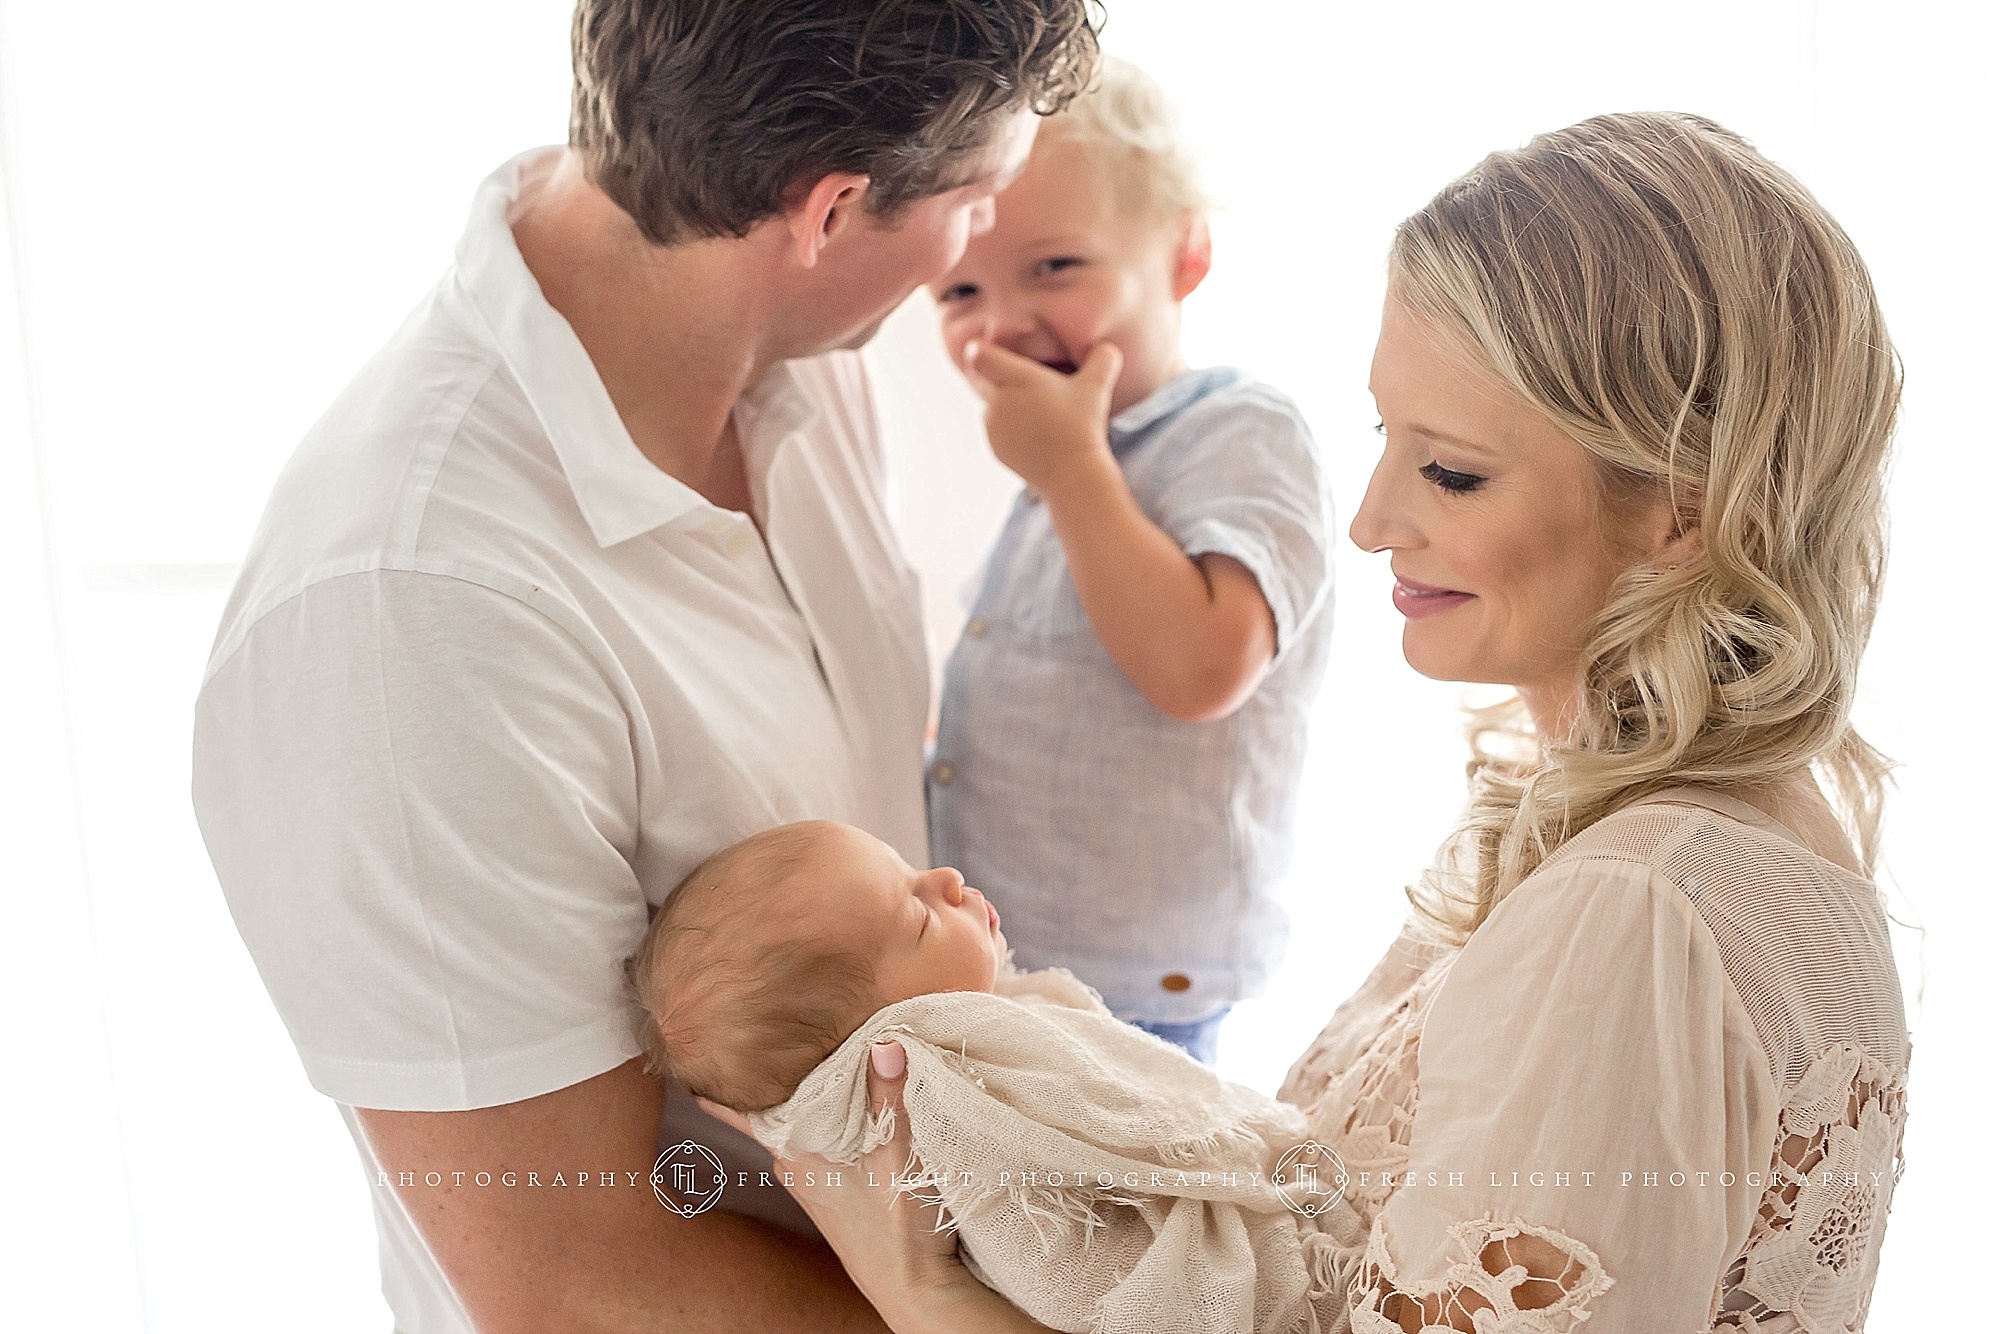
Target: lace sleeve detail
[(1502, 1278), (1811, 1259)]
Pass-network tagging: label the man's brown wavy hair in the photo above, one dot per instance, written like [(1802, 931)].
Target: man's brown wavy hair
[(701, 118)]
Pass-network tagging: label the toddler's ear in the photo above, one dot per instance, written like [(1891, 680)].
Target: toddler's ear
[(1191, 264)]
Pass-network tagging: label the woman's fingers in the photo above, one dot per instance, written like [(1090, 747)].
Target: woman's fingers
[(729, 1116), (887, 1064), (888, 1067)]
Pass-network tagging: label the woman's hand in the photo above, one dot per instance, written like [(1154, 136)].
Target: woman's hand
[(887, 1241)]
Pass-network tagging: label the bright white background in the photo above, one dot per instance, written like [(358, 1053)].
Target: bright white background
[(213, 212)]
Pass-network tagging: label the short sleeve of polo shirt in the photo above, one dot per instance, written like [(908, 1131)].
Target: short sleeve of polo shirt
[(419, 793), (1244, 481)]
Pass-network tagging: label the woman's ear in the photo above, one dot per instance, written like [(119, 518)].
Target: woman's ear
[(1671, 533), (1192, 261), (1681, 547)]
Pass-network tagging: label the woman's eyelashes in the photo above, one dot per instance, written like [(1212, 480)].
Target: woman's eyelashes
[(1447, 480)]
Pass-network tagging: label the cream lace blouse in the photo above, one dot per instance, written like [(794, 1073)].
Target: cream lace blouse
[(1675, 1055)]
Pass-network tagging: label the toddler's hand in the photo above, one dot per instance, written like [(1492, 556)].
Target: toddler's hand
[(1046, 426)]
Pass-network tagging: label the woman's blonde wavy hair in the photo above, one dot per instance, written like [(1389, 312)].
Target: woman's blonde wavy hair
[(1689, 313)]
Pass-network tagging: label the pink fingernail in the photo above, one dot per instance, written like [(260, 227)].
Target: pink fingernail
[(888, 1060)]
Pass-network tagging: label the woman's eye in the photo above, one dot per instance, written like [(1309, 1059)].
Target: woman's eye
[(1048, 268), (957, 292), (1447, 480)]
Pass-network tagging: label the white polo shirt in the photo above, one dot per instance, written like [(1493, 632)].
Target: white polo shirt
[(490, 684)]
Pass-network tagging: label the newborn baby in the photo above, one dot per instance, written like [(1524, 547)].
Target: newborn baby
[(1099, 1178), (775, 949)]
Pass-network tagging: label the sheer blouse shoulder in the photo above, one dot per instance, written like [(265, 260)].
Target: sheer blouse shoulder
[(1683, 992)]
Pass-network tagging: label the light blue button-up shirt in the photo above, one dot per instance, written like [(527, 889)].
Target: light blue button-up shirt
[(1141, 852)]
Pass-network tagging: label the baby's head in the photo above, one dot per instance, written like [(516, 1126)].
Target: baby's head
[(1099, 240), (773, 951)]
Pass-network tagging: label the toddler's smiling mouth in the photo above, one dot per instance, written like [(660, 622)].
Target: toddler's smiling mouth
[(1061, 364)]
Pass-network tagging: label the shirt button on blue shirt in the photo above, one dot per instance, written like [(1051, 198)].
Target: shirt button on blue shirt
[(976, 627)]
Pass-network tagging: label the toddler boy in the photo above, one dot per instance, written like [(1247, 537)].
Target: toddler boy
[(1123, 720)]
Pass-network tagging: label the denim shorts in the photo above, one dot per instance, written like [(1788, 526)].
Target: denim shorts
[(1197, 1039)]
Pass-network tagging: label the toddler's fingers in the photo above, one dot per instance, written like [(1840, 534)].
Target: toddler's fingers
[(980, 384), (1000, 367), (1100, 369)]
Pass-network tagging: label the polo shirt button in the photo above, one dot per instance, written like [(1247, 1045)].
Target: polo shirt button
[(943, 772), (977, 627), (1175, 982), (1031, 497)]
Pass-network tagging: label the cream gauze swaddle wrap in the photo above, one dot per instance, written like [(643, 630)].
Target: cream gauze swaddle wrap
[(1039, 1078)]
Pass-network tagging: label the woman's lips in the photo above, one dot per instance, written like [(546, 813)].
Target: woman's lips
[(1417, 600)]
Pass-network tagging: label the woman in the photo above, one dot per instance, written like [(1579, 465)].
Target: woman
[(1639, 1056)]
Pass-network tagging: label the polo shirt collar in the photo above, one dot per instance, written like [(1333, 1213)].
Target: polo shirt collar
[(1170, 398), (620, 492)]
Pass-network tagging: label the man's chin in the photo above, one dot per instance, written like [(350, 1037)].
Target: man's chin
[(860, 338)]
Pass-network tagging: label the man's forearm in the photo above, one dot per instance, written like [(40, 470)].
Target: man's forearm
[(968, 1307), (594, 1260), (717, 1272)]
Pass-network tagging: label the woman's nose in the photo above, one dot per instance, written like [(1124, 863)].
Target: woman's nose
[(1376, 525)]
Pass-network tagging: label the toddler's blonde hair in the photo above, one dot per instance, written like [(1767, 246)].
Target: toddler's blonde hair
[(1125, 120)]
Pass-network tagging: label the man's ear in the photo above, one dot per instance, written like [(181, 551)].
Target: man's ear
[(1192, 261), (831, 206)]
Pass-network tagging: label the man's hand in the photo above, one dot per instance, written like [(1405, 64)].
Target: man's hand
[(1049, 428)]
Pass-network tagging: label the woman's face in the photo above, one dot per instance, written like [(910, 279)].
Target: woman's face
[(1502, 543)]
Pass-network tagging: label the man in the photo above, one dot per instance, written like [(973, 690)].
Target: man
[(587, 575)]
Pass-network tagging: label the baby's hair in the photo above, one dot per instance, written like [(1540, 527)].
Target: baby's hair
[(736, 1024), (1127, 119)]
